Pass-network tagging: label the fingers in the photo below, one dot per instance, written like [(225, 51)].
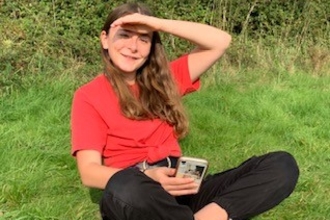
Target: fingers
[(128, 19), (137, 19), (182, 192), (169, 171), (174, 185), (179, 190), (178, 181), (178, 186), (181, 186), (184, 186)]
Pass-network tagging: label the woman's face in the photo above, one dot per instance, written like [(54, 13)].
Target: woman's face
[(128, 46)]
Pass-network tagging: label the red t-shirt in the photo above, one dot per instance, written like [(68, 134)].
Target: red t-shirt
[(97, 124)]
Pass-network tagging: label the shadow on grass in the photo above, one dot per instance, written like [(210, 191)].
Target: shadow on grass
[(96, 195)]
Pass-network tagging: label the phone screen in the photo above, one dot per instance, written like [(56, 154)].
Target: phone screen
[(192, 167)]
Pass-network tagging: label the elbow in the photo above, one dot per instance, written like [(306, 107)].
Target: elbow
[(86, 181), (92, 183), (92, 179), (226, 40), (86, 178), (223, 44)]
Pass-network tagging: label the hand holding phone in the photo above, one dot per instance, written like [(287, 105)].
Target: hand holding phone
[(193, 168)]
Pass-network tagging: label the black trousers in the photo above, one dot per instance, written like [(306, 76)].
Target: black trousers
[(257, 185)]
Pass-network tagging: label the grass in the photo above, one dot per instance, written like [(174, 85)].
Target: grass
[(273, 94), (232, 118)]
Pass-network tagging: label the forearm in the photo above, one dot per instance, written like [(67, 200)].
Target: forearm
[(204, 36), (96, 176), (92, 172)]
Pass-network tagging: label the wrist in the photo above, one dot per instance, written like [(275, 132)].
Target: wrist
[(145, 171), (161, 25)]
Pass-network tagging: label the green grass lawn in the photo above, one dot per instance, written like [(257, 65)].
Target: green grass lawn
[(232, 118)]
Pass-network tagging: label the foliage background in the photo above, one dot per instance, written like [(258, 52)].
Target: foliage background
[(55, 35)]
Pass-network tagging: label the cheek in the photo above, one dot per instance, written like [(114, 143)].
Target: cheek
[(145, 51), (114, 49), (116, 46)]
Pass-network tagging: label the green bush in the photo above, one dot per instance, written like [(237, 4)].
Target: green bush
[(51, 37)]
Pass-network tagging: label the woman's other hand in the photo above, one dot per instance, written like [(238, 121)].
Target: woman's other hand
[(176, 186)]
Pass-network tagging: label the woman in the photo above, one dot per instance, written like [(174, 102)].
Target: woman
[(126, 124)]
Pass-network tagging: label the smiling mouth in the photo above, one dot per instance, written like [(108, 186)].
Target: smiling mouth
[(130, 57)]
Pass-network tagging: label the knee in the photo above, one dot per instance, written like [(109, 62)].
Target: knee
[(285, 170)]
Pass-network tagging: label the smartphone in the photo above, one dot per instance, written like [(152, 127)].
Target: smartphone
[(192, 167)]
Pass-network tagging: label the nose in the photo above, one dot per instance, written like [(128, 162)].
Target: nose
[(132, 44)]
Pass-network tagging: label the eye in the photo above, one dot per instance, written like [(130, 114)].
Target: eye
[(124, 35), (144, 39)]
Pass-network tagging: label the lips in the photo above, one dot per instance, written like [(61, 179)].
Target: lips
[(130, 57)]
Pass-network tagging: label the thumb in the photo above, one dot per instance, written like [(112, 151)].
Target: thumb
[(170, 171)]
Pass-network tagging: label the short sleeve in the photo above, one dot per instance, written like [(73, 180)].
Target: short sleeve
[(180, 70), (88, 130)]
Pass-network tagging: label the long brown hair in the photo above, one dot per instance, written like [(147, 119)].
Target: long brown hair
[(158, 93)]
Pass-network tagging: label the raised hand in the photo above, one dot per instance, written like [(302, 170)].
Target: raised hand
[(152, 23)]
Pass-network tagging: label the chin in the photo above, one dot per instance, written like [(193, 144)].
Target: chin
[(130, 70)]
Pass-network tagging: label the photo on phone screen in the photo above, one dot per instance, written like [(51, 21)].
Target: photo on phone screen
[(192, 167)]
